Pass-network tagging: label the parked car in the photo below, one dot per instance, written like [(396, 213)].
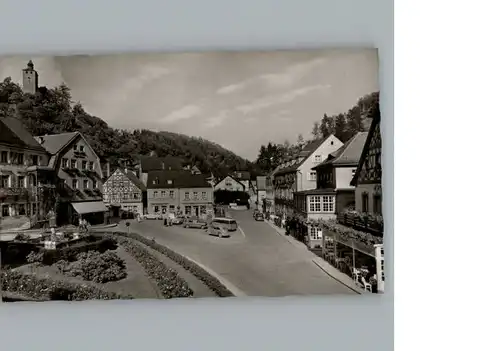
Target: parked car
[(195, 223), (227, 223), (259, 217), (152, 216), (220, 232), (177, 220)]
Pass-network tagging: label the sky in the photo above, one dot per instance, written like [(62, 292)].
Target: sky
[(240, 100)]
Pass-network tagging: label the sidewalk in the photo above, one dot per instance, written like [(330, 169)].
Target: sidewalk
[(320, 262), (8, 235)]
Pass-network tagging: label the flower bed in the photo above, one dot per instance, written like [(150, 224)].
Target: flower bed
[(96, 267), (170, 283), (48, 289), (210, 281), (70, 253), (363, 221)]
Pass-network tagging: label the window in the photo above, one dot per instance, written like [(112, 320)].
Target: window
[(377, 204), (5, 211), (171, 194), (204, 195), (157, 209), (34, 160), (228, 182), (163, 193), (328, 203), (73, 164), (65, 163), (136, 196), (169, 182), (317, 158), (315, 204), (187, 210), (312, 176), (84, 164), (22, 210), (203, 210), (86, 184), (171, 208), (195, 195), (94, 185), (75, 147), (20, 182), (4, 157), (91, 166), (82, 148), (186, 195), (155, 194), (164, 209), (74, 183), (4, 181), (315, 233), (20, 159), (364, 202)]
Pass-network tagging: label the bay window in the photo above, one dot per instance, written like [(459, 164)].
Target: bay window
[(324, 203)]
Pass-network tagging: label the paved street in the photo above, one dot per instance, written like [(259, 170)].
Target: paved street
[(255, 259)]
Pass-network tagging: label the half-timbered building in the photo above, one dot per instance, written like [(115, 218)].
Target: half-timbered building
[(124, 192)]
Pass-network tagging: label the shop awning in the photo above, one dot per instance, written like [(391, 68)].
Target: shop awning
[(89, 207)]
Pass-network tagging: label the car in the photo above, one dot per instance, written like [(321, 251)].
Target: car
[(259, 217), (152, 216), (195, 223), (220, 232), (177, 220)]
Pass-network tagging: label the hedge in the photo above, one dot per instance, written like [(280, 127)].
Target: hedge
[(211, 282), (48, 289), (168, 280)]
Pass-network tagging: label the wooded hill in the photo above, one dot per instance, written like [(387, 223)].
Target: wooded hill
[(52, 111)]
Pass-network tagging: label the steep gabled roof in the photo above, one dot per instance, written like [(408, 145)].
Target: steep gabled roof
[(305, 153), (349, 154), (177, 178), (233, 178), (56, 142), (366, 147), (13, 132), (133, 178)]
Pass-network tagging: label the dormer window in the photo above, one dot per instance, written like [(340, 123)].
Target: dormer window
[(317, 158), (75, 147)]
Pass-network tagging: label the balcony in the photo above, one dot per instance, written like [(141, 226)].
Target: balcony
[(366, 222)]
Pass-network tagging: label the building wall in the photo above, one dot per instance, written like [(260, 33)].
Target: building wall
[(163, 199), (230, 184), (371, 190), (192, 198), (344, 199), (71, 153), (18, 180), (343, 176), (305, 181), (120, 190)]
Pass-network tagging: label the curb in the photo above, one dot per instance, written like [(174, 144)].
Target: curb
[(290, 239), (347, 283)]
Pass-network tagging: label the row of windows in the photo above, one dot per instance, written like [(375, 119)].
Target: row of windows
[(73, 164), (7, 181), (188, 210), (121, 196), (325, 203), (19, 209), (87, 184), (17, 158), (187, 195)]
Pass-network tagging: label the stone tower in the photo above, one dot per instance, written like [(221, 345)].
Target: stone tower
[(30, 78)]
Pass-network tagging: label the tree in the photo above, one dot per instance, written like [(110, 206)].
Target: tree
[(324, 126), (316, 132), (340, 128)]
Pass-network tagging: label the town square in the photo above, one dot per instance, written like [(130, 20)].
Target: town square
[(93, 212)]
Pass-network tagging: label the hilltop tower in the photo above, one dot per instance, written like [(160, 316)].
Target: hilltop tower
[(30, 79)]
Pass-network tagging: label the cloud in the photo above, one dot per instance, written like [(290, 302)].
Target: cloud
[(185, 112), (291, 75), (260, 104), (146, 74), (229, 89), (217, 119)]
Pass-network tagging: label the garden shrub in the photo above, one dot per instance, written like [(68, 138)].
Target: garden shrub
[(168, 280), (210, 281), (96, 267), (48, 289), (70, 253), (14, 253)]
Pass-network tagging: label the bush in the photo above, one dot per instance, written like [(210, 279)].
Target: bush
[(96, 267), (70, 253), (48, 289), (211, 282), (14, 253)]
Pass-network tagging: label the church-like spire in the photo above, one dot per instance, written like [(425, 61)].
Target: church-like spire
[(31, 65)]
